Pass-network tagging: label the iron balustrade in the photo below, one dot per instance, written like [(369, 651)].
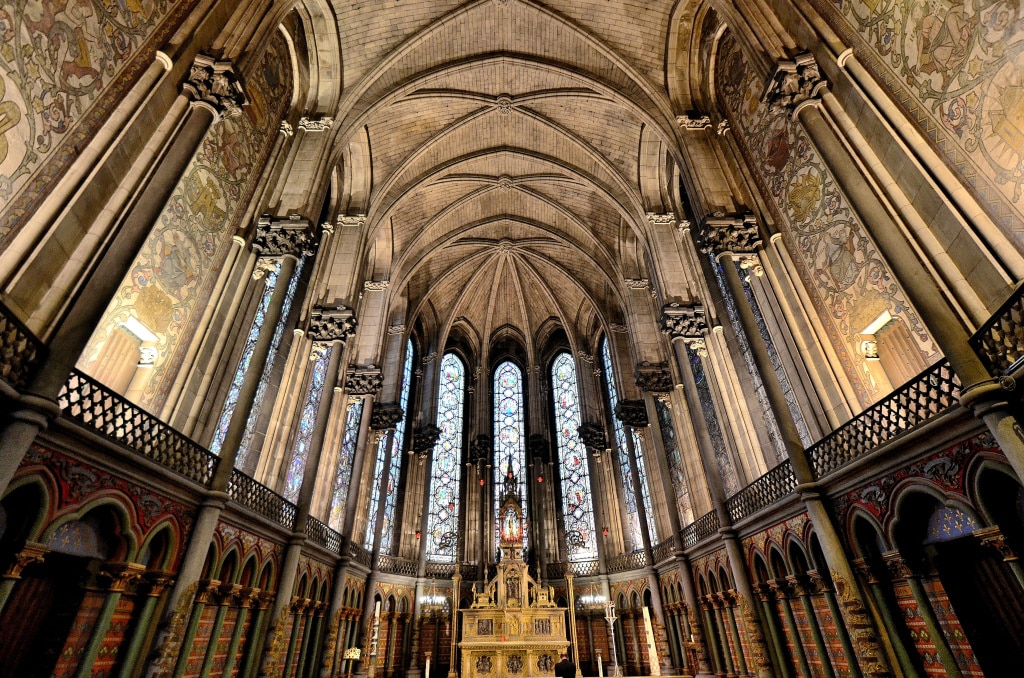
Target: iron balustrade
[(584, 568), (928, 395), (1000, 341), (441, 570), (556, 570), (395, 565), (261, 499), (359, 554), (89, 403), (627, 561), (700, 529), (20, 350), (664, 549), (763, 492), (319, 533)]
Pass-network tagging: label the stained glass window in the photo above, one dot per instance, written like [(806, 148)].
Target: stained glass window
[(726, 468), (307, 421), (343, 476), (509, 435), (442, 521), (576, 498), (675, 462), (395, 466), (243, 363), (629, 492)]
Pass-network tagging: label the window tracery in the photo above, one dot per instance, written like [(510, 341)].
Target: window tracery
[(307, 421), (343, 476), (445, 474), (577, 506), (509, 438)]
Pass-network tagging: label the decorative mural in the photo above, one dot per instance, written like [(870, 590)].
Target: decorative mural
[(174, 275), (849, 282), (957, 70), (64, 66), (248, 544)]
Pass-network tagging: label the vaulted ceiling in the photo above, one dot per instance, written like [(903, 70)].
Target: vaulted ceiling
[(506, 154)]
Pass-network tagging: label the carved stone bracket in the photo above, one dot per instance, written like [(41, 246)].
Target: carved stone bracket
[(794, 83), (654, 378), (351, 221), (331, 324), (318, 125), (537, 447), (385, 416), (683, 321), (637, 283), (694, 123), (363, 381), (286, 128), (666, 219), (216, 84), (278, 237), (593, 438), (424, 439), (735, 234), (632, 413), (376, 285), (993, 538), (264, 265), (480, 449)]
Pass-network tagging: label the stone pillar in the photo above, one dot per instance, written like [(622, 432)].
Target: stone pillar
[(117, 578), (633, 415), (593, 438), (213, 91), (423, 442), (798, 87), (724, 237)]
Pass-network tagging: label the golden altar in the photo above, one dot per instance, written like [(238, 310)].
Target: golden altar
[(513, 629)]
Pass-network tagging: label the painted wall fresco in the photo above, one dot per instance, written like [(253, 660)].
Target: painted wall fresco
[(64, 66), (844, 273), (173, 277), (957, 70)]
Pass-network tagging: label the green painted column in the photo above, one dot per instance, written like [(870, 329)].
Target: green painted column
[(782, 591), (115, 580), (224, 596), (245, 598), (128, 659), (31, 553), (731, 600), (764, 594), (800, 585), (204, 597), (258, 633), (824, 588), (888, 616)]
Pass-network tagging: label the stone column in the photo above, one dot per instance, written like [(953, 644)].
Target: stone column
[(129, 659), (423, 441), (118, 578), (799, 88), (801, 586), (687, 324), (633, 415), (213, 91), (538, 450), (481, 450), (727, 236), (593, 438)]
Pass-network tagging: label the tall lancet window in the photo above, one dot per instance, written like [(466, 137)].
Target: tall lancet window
[(576, 499), (509, 435), (395, 466), (304, 435), (628, 488), (343, 476), (443, 519)]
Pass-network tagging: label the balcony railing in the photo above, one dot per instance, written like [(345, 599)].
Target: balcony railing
[(1000, 341), (763, 492), (261, 499), (627, 561), (20, 350), (440, 570), (933, 392), (700, 529), (395, 565), (321, 534), (359, 554), (663, 550), (88, 402)]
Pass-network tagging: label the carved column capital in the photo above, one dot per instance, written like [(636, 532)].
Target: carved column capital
[(321, 124), (29, 554), (480, 449), (385, 416), (215, 84), (694, 123), (993, 538), (632, 413), (795, 83), (351, 221), (593, 438), (328, 324), (364, 381), (280, 237), (735, 234), (897, 565), (661, 219), (683, 321), (424, 439), (653, 377)]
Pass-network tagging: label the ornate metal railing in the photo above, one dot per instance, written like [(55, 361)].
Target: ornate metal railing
[(359, 554), (585, 568), (931, 393), (1000, 341), (663, 550), (627, 561), (261, 499), (700, 529), (396, 565), (320, 533), (20, 350), (440, 570), (763, 492), (88, 402), (556, 571), (471, 571)]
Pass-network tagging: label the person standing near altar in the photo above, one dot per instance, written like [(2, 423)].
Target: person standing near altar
[(565, 668)]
